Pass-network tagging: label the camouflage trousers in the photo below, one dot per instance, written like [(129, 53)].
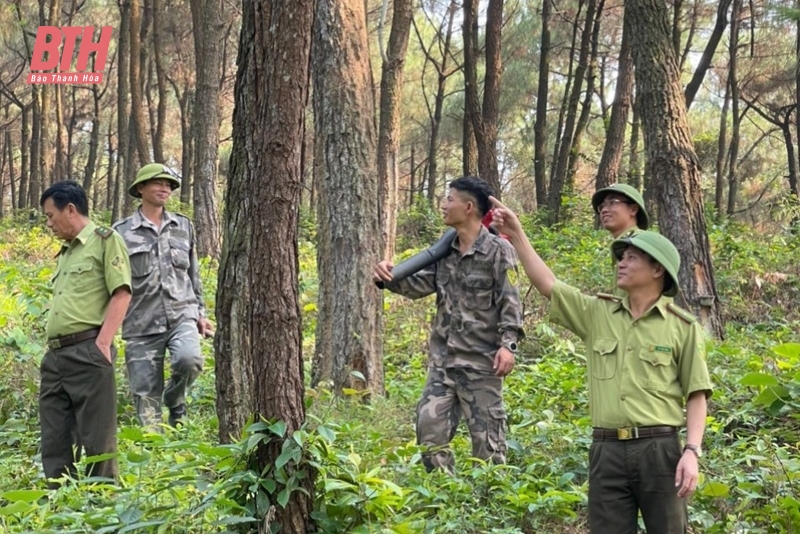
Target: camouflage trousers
[(144, 358), (449, 394)]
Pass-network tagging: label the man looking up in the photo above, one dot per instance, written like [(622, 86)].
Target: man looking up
[(475, 332), (645, 365), (620, 208), (167, 311)]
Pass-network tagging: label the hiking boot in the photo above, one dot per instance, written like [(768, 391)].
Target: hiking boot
[(176, 416)]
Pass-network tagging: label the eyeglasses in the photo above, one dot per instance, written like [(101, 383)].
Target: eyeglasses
[(610, 203)]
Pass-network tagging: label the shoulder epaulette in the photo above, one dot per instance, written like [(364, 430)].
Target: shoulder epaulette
[(684, 315), (103, 232), (609, 296)]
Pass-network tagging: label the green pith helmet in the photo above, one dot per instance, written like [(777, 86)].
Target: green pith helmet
[(660, 249), (152, 171), (642, 218)]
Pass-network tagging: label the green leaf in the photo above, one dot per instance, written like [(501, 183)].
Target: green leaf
[(758, 379), (772, 394), (269, 484), (143, 526), (715, 489), (233, 520), (23, 495), (283, 497), (284, 458), (278, 428), (788, 350), (18, 507), (326, 433)]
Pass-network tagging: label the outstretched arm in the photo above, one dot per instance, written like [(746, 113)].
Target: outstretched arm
[(535, 268)]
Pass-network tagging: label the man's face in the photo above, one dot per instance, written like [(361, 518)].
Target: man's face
[(637, 269), (617, 213), (60, 221), (155, 192), (458, 207)]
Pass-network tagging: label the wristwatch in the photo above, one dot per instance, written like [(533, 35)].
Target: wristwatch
[(512, 346), (695, 449)]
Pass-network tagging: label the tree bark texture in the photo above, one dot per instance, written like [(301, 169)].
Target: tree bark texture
[(608, 170), (671, 160), (124, 167), (391, 87), (348, 335), (208, 29), (258, 345), (733, 83), (161, 81), (542, 98), (137, 106)]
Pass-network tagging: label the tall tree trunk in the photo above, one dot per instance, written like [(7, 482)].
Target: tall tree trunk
[(671, 160), (722, 146), (708, 54), (542, 97), (161, 80), (586, 105), (111, 181), (25, 150), (124, 166), (634, 163), (10, 156), (484, 116), (391, 87), (469, 147), (793, 177), (258, 345), (138, 122), (559, 175), (487, 151), (35, 177), (733, 81), (186, 102), (60, 167), (94, 141), (608, 171), (348, 335), (208, 35)]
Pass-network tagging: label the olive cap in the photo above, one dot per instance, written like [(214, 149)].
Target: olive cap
[(660, 249), (152, 171), (642, 218)]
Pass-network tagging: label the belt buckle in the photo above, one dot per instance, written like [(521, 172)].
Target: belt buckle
[(54, 344), (624, 434)]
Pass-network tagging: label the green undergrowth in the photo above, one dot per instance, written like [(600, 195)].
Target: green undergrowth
[(369, 475)]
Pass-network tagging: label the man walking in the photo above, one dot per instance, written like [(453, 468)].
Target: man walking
[(91, 291), (475, 332), (645, 365), (167, 311)]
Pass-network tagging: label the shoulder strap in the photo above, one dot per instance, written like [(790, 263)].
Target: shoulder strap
[(682, 314), (609, 296), (103, 232)]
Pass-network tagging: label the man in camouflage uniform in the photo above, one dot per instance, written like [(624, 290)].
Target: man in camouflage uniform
[(475, 332), (167, 311), (91, 291)]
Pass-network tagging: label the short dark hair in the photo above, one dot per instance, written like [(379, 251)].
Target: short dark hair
[(65, 193), (476, 187)]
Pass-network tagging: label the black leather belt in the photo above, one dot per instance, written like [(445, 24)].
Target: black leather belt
[(625, 434), (72, 339)]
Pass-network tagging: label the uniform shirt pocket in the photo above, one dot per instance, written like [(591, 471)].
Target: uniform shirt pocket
[(479, 292), (80, 277), (180, 253), (442, 281), (659, 372), (604, 358), (141, 263)]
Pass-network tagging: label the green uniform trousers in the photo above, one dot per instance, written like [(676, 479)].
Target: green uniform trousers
[(628, 476), (77, 408)]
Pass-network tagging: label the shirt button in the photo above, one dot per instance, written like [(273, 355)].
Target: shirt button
[(623, 398), (630, 349)]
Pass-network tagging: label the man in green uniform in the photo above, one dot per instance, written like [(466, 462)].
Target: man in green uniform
[(620, 209), (646, 364), (91, 292)]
